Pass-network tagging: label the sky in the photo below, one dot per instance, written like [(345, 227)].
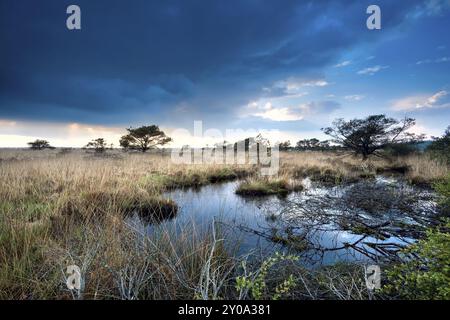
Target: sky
[(284, 68)]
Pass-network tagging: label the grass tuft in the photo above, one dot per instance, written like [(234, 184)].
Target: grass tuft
[(265, 187)]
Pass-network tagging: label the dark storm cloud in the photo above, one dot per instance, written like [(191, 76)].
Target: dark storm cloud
[(165, 60)]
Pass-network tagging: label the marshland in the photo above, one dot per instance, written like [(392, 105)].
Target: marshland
[(217, 150), (140, 227)]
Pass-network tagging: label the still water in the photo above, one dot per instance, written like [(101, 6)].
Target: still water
[(311, 218)]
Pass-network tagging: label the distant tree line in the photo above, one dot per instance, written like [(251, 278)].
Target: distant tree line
[(142, 139), (377, 135), (440, 147), (370, 135), (374, 135), (314, 145), (307, 145)]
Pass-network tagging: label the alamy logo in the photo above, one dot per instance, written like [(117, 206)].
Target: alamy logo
[(373, 277), (374, 20), (73, 281), (256, 151), (73, 21)]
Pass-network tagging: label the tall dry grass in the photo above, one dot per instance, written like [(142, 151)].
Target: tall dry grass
[(417, 168), (60, 209)]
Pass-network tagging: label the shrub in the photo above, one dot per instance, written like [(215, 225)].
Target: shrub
[(256, 284), (401, 149), (426, 275), (440, 147), (40, 145), (443, 189), (99, 145)]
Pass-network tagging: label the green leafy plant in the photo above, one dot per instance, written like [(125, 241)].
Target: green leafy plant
[(443, 189), (426, 274), (255, 284)]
